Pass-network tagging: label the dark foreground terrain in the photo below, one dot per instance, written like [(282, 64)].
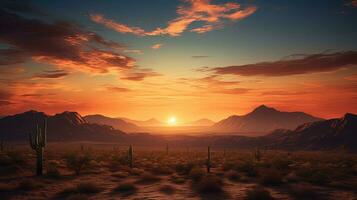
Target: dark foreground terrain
[(90, 171)]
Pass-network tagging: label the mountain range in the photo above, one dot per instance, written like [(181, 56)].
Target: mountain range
[(116, 123), (262, 119)]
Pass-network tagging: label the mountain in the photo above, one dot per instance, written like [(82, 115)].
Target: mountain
[(201, 122), (263, 119), (321, 135), (117, 123), (66, 126), (149, 122)]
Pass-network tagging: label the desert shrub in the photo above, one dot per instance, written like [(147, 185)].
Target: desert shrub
[(196, 174), (258, 193), (232, 175), (177, 179), (270, 177), (228, 166), (78, 162), (313, 175), (126, 188), (248, 167), (120, 174), (161, 170), (303, 191), (280, 163), (17, 157), (28, 185), (52, 170), (209, 184), (147, 178), (184, 168), (81, 188), (167, 189), (78, 197)]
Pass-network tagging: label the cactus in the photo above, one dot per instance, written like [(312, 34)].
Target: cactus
[(130, 156), (38, 143), (208, 159), (167, 149), (82, 147), (2, 144), (257, 154)]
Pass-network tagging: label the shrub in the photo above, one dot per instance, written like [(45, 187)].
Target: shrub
[(147, 178), (184, 168), (248, 168), (271, 177), (177, 180), (303, 191), (258, 193), (81, 188), (233, 175), (52, 170), (196, 174), (28, 185), (126, 188), (78, 162), (209, 184), (167, 189)]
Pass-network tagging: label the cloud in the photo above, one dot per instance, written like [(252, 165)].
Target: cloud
[(5, 98), (117, 89), (156, 46), (211, 15), (200, 56), (60, 43), (140, 74), (352, 3), (51, 74), (122, 28), (324, 62)]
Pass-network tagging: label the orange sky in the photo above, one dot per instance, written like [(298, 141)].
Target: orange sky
[(177, 69)]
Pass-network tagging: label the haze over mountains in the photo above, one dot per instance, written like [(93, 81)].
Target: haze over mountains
[(262, 119), (316, 135)]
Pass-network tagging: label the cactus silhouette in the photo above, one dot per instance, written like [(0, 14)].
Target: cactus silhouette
[(38, 142), (257, 154), (130, 156), (208, 159)]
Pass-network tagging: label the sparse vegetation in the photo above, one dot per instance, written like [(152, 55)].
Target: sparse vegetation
[(78, 162), (81, 189), (258, 193), (126, 188)]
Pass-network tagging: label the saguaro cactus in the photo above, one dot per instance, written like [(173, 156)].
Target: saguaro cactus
[(38, 143), (130, 156), (2, 144), (208, 159), (257, 154)]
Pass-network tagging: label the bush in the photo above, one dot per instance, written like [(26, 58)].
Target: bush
[(147, 178), (52, 170), (167, 189), (258, 193), (233, 175), (126, 188), (81, 188), (303, 191), (184, 168), (209, 184), (78, 162), (177, 180), (196, 174), (248, 168), (28, 185), (271, 177)]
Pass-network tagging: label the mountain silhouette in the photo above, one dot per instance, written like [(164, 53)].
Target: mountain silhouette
[(321, 135), (66, 126), (263, 119), (149, 122), (201, 122), (117, 123)]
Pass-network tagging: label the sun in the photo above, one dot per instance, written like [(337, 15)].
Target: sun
[(171, 121)]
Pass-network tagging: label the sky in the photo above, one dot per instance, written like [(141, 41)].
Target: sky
[(190, 59)]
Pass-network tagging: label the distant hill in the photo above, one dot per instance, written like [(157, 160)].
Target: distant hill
[(66, 126), (149, 122), (263, 119), (117, 123), (327, 134), (201, 122)]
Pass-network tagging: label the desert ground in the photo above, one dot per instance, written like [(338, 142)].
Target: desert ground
[(90, 171)]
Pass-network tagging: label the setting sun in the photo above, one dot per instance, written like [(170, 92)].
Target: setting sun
[(171, 121)]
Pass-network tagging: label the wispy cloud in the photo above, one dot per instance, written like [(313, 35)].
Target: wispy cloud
[(157, 46), (323, 62), (51, 74), (212, 15), (200, 56), (117, 89)]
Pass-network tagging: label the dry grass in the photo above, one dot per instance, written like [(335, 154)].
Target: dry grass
[(258, 193), (125, 188), (81, 189)]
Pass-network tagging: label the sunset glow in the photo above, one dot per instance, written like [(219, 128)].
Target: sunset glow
[(172, 121), (213, 58)]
